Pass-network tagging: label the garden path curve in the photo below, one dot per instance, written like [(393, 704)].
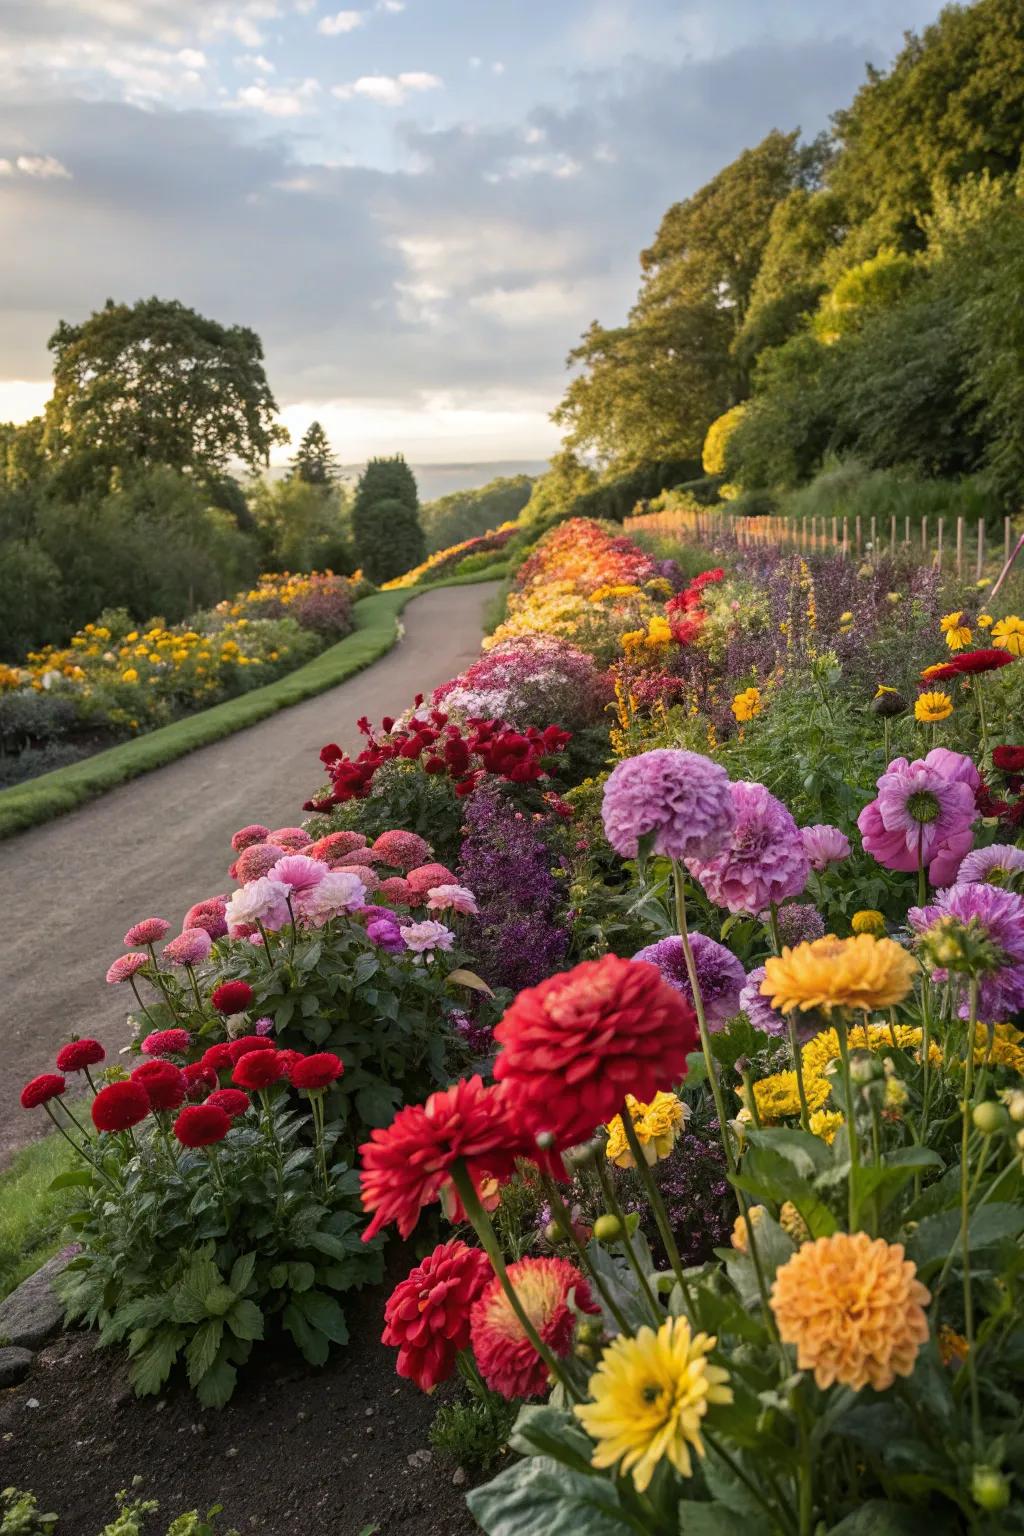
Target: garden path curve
[(156, 845)]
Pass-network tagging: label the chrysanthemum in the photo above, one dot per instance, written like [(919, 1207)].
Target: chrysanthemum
[(720, 975), (574, 1046), (508, 1362), (1008, 635), (957, 633), (657, 1127), (996, 915), (189, 948), (861, 972), (740, 1235), (261, 901), (932, 707), (248, 836), (167, 1042), (332, 848), (402, 850), (852, 1307), (119, 1106), (763, 860), (778, 1097), (824, 845), (745, 706), (427, 1314), (150, 931), (995, 865), (651, 1394), (826, 1124), (208, 915), (298, 872), (925, 810), (255, 862), (41, 1089), (232, 997), (339, 891), (291, 839), (164, 1083), (202, 1125), (126, 966), (868, 920), (396, 890), (425, 876), (678, 798)]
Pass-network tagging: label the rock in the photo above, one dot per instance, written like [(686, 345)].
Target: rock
[(14, 1366), (32, 1313), (459, 1477), (419, 1459)]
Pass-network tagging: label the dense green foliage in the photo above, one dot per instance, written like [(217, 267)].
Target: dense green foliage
[(303, 524), (466, 514), (313, 461), (388, 538)]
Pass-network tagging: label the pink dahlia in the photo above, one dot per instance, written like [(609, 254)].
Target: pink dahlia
[(763, 860), (402, 850), (426, 937), (452, 898), (924, 812), (761, 1013), (298, 872), (678, 800), (424, 876), (150, 931), (824, 845), (332, 848), (995, 865), (291, 839), (189, 948), (167, 1042), (354, 856), (208, 915), (261, 901), (249, 836), (126, 966), (340, 891), (257, 861)]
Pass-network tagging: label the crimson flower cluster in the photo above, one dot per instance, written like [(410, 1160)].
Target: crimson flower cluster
[(441, 747), (684, 612), (1006, 803)]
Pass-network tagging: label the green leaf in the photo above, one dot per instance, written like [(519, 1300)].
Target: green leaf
[(217, 1385), (937, 1236), (152, 1363), (717, 1520), (326, 1242), (539, 1497), (883, 1183), (242, 1272), (551, 1432), (376, 1104), (314, 1345), (325, 1314), (878, 1518), (301, 1275), (202, 1348), (220, 1299), (245, 1320), (73, 1178)]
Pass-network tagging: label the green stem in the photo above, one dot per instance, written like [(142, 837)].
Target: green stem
[(782, 1513), (702, 1023), (798, 1068), (773, 925), (965, 1217), (851, 1117), (564, 1215), (612, 1202), (138, 999), (922, 884), (657, 1206), (79, 1150), (485, 1232), (195, 987), (979, 700)]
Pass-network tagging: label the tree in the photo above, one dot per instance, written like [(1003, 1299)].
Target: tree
[(314, 462), (465, 514), (387, 479), (717, 440), (388, 537), (302, 527), (155, 383)]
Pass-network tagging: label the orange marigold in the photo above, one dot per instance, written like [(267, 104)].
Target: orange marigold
[(854, 1310)]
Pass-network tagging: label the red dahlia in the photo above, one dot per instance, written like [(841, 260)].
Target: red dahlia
[(231, 1100), (167, 1042), (199, 1078), (79, 1054), (120, 1106), (575, 1045), (508, 1362), (257, 1069), (319, 1071), (201, 1125), (49, 1085), (427, 1314), (218, 1056), (164, 1083), (232, 996), (1009, 759), (236, 1049)]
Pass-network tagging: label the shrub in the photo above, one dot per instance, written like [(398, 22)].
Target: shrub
[(388, 537)]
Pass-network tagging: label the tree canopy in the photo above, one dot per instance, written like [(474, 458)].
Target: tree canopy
[(314, 461)]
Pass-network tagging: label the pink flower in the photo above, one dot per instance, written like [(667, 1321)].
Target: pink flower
[(340, 890), (396, 890), (167, 1042), (189, 948), (402, 850), (356, 856), (255, 862), (452, 898), (426, 876), (763, 860), (291, 839), (249, 836), (261, 901), (298, 872), (824, 845), (125, 966), (330, 850), (150, 931), (208, 914), (924, 811), (423, 938), (676, 799)]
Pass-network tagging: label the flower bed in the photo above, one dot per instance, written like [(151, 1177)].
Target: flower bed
[(458, 559), (705, 1048)]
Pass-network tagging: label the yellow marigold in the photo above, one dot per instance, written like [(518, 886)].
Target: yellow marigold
[(657, 1127), (984, 621), (846, 618), (747, 704), (739, 1238), (868, 921), (1008, 635), (854, 1310), (933, 707), (826, 1123), (778, 1097), (651, 1393), (861, 972), (1001, 1047), (957, 634), (824, 1047), (129, 675)]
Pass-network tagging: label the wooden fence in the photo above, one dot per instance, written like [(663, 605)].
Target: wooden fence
[(952, 543)]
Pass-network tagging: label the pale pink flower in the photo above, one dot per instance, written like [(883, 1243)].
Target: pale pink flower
[(340, 890), (427, 936), (452, 898), (261, 901), (298, 872), (189, 948)]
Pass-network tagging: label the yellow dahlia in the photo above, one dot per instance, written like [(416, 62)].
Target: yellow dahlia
[(657, 1127), (778, 1097), (930, 708), (824, 1047), (1008, 635), (747, 704), (651, 1393), (868, 921), (827, 1124), (740, 1235), (854, 1310), (861, 972)]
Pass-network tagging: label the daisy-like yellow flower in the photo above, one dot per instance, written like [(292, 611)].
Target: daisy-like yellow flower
[(129, 675), (651, 1394), (854, 1308), (747, 704), (930, 708), (862, 972), (1008, 635), (657, 1127), (868, 921), (985, 621), (883, 689), (957, 634), (827, 1124), (846, 618)]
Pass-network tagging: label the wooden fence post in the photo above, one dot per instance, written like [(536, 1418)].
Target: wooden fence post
[(858, 535), (924, 536), (892, 535), (906, 530), (959, 546), (846, 537), (938, 553), (981, 547)]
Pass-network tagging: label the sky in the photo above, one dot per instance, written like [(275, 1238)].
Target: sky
[(419, 205)]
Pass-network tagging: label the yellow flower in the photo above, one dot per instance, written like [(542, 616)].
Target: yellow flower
[(957, 635), (853, 1308), (747, 704), (740, 1235), (983, 582), (778, 1097), (953, 1347), (826, 1123), (868, 921), (846, 618), (883, 689), (1008, 635), (651, 1393), (792, 1223), (657, 1126), (932, 707), (894, 597), (129, 675), (861, 972), (984, 621)]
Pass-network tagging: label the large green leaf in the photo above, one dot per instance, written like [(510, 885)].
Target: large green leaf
[(242, 1272), (539, 1497), (938, 1236), (217, 1385), (884, 1519), (717, 1520), (324, 1313), (202, 1348), (245, 1320), (551, 1432), (153, 1361), (314, 1345)]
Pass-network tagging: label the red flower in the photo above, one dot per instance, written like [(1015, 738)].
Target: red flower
[(167, 1042), (319, 1071), (232, 996), (427, 1314), (424, 878), (236, 1049), (408, 1164), (198, 1077), (119, 1106), (78, 1054), (575, 1045), (164, 1083), (208, 914), (288, 1058), (231, 1100), (1009, 759), (49, 1085), (257, 1069), (201, 1125), (219, 1056), (248, 836), (508, 1362)]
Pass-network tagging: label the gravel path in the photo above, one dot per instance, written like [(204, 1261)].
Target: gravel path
[(156, 845)]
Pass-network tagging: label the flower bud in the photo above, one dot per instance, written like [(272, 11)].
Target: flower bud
[(888, 704), (608, 1229), (990, 1118), (865, 1068), (1015, 1105), (554, 1233), (545, 1140), (990, 1489)]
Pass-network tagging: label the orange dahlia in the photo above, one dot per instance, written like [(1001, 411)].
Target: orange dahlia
[(575, 1045), (508, 1362), (853, 1308), (427, 1314)]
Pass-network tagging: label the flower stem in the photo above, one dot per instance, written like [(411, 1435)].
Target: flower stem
[(138, 999), (79, 1150), (979, 700), (798, 1068), (922, 884), (851, 1118), (612, 1202), (702, 1023), (564, 1215), (657, 1206), (965, 1217)]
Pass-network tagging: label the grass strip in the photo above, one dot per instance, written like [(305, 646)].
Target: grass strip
[(31, 1214)]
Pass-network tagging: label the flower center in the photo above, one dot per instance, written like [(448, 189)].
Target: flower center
[(651, 1392), (923, 805)]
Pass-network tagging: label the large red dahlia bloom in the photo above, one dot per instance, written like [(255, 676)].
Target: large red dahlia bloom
[(508, 1362), (164, 1083), (40, 1090), (120, 1106), (317, 1071), (79, 1054), (575, 1045), (201, 1125), (231, 1100), (427, 1315), (232, 997), (257, 1069)]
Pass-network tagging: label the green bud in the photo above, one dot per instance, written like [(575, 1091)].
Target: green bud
[(865, 1068), (554, 1233), (990, 1118), (608, 1229), (990, 1489)]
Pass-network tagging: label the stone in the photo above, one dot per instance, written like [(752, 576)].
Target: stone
[(14, 1366), (33, 1313)]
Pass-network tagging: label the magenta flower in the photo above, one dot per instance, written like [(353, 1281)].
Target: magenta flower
[(763, 860), (798, 923), (298, 872), (386, 934), (720, 975), (924, 812), (995, 865), (264, 1026), (824, 845), (126, 966), (999, 915), (150, 931), (189, 948), (678, 799)]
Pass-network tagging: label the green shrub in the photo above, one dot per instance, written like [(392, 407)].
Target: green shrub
[(388, 537)]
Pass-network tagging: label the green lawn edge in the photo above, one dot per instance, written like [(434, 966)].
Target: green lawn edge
[(376, 630)]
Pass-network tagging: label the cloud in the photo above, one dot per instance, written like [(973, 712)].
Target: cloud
[(255, 63), (340, 22), (279, 101), (389, 90), (394, 6), (40, 167)]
